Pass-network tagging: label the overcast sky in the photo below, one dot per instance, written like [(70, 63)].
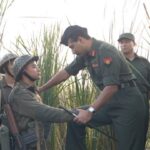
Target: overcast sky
[(25, 17)]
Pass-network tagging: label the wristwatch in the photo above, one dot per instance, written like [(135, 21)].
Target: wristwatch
[(91, 109)]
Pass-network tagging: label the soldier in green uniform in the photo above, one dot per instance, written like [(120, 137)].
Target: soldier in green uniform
[(140, 67), (6, 84), (29, 111), (119, 103)]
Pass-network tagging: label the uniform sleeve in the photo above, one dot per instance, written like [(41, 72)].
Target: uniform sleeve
[(110, 66), (25, 104), (76, 66)]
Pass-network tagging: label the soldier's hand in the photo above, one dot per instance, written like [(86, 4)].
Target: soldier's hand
[(83, 117)]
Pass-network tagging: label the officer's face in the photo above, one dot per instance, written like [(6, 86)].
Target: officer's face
[(126, 45), (77, 47), (33, 70)]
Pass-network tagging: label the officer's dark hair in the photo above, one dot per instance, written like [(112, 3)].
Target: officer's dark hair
[(73, 32)]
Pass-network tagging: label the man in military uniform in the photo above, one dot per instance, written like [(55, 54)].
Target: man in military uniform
[(139, 65), (119, 102), (6, 84), (29, 111)]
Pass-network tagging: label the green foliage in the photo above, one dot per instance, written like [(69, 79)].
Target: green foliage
[(4, 6)]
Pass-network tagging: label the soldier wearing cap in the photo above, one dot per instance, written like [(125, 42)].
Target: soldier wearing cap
[(6, 84), (139, 65), (29, 111), (119, 102)]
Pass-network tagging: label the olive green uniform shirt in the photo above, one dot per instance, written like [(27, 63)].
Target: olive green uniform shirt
[(105, 64), (125, 109), (31, 113), (6, 91), (4, 131), (143, 66), (142, 72)]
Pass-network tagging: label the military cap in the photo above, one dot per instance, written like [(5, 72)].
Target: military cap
[(129, 36), (20, 63), (5, 59), (71, 32)]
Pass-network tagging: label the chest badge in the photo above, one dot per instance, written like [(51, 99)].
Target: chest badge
[(107, 60), (92, 53), (95, 65)]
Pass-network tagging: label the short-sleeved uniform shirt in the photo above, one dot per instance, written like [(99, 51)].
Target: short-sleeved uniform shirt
[(126, 108), (106, 65)]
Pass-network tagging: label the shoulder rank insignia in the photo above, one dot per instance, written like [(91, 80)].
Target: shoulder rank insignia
[(107, 60)]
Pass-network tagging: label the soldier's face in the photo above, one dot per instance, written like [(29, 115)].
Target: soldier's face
[(33, 70), (77, 47), (126, 45)]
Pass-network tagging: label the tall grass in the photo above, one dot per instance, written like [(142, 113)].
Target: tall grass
[(4, 6), (147, 27)]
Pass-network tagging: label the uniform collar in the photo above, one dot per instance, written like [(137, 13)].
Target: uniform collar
[(135, 57), (95, 45), (30, 88)]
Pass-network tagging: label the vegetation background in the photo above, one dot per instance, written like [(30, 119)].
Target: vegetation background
[(77, 90)]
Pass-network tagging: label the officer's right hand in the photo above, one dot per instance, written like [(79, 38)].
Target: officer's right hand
[(83, 117)]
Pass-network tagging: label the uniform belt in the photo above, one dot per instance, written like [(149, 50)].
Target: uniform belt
[(127, 84)]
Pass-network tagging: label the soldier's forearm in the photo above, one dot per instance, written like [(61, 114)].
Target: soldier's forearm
[(54, 115)]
